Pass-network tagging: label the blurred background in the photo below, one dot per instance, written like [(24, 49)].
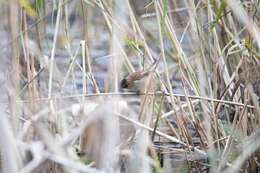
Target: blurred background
[(63, 108)]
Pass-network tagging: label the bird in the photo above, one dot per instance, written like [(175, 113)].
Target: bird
[(129, 81)]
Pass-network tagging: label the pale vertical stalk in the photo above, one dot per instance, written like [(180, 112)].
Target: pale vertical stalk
[(15, 78), (54, 48), (226, 75), (53, 115), (83, 53), (159, 22), (146, 47), (9, 151), (84, 22), (109, 159), (119, 46), (66, 27), (180, 52), (70, 69), (116, 39), (89, 71), (202, 79)]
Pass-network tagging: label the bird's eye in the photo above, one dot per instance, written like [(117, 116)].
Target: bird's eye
[(124, 83)]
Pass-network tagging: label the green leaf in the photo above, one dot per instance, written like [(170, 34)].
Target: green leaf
[(165, 8), (219, 12), (248, 44), (133, 43), (28, 8), (39, 6)]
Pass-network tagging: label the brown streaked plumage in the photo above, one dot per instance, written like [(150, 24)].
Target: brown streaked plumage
[(128, 82)]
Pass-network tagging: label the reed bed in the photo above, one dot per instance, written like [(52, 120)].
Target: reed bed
[(64, 109)]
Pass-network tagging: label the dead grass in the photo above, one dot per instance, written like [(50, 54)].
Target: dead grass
[(63, 109)]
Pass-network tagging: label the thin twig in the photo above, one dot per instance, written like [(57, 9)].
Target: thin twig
[(134, 93)]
